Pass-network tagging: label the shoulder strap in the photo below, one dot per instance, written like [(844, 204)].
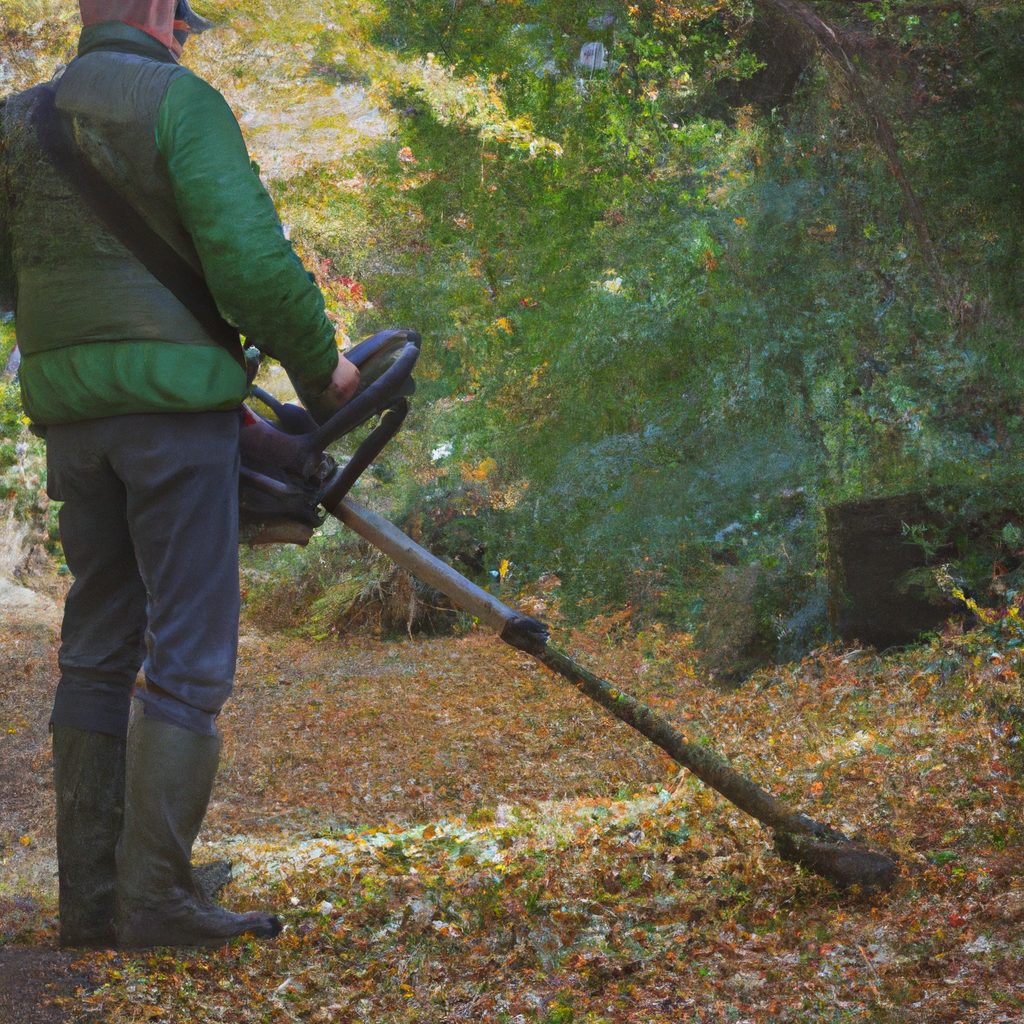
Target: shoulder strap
[(129, 227)]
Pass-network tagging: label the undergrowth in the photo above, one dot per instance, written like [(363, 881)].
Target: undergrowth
[(672, 308)]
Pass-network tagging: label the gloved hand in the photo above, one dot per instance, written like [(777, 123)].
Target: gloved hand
[(344, 384)]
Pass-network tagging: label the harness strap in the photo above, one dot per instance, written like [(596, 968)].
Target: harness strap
[(129, 227)]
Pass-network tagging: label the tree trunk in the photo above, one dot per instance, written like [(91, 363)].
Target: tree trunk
[(873, 597), (829, 40)]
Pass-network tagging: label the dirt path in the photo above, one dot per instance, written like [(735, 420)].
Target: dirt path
[(339, 734), (34, 983), (318, 737)]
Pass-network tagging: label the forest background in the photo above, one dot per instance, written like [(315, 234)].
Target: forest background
[(685, 278), (687, 275)]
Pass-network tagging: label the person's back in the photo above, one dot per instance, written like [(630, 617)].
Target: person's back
[(81, 294), (167, 142)]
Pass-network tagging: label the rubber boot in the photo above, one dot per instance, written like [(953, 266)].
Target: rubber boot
[(170, 774), (88, 782)]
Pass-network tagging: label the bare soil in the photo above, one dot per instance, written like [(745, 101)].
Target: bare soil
[(34, 982)]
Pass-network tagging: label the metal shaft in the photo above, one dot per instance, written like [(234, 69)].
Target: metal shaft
[(421, 563), (798, 837)]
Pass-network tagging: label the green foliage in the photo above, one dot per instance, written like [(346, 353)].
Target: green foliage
[(691, 313), (663, 328), (289, 587), (648, 70), (22, 458), (10, 400)]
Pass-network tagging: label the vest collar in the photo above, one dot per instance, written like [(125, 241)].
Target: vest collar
[(121, 38)]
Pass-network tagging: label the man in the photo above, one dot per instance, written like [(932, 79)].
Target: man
[(140, 409)]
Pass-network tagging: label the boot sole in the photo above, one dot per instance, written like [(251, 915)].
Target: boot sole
[(266, 926)]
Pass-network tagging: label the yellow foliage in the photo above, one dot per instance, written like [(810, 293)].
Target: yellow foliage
[(22, 15), (986, 615), (481, 471)]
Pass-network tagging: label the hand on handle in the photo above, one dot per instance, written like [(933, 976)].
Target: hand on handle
[(344, 382), (343, 385)]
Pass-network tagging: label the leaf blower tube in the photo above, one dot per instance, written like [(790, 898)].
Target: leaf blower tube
[(798, 838), (296, 445)]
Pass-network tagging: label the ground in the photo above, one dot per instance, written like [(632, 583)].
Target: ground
[(451, 833)]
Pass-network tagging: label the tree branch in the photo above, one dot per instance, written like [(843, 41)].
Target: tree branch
[(830, 41)]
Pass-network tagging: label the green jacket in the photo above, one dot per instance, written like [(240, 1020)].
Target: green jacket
[(98, 335)]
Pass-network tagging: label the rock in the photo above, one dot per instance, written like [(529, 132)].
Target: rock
[(593, 57), (875, 594), (13, 362), (17, 601)]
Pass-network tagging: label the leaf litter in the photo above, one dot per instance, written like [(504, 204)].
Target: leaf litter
[(452, 834)]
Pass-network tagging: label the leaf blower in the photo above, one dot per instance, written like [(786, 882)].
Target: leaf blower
[(288, 485)]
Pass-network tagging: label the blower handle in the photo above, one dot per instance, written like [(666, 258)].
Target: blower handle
[(378, 394)]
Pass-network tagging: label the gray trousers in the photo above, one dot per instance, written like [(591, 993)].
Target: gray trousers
[(149, 527)]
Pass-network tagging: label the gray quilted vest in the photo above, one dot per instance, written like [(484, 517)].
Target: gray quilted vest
[(76, 283)]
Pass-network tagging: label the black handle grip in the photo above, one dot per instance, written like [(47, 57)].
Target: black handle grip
[(377, 396), (341, 483), (362, 353)]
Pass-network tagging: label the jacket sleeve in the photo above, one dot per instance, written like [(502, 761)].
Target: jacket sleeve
[(250, 267), (7, 280)]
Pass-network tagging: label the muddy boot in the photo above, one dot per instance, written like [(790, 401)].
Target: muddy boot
[(170, 774), (88, 783)]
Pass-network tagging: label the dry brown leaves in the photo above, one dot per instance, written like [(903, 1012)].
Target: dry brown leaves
[(394, 800)]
